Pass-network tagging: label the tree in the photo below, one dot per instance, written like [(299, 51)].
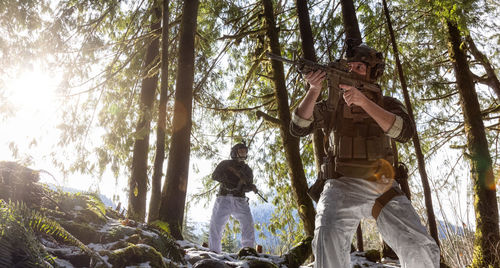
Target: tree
[(154, 203), (487, 236), (310, 54), (175, 187), (416, 140), (291, 144), (138, 183)]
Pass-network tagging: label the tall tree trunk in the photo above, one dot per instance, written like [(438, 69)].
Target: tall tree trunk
[(416, 140), (174, 191), (292, 153), (359, 238), (487, 236), (353, 38), (402, 178), (310, 54), (350, 21), (139, 179), (154, 202)]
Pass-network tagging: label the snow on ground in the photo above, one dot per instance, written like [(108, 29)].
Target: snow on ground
[(194, 251)]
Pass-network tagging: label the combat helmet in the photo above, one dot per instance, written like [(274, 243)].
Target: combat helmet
[(373, 59), (234, 151)]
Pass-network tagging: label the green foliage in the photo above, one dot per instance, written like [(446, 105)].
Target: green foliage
[(18, 244), (161, 225), (33, 221)]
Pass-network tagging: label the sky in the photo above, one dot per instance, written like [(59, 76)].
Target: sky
[(33, 129)]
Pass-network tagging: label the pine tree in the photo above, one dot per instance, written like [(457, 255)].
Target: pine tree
[(175, 187)]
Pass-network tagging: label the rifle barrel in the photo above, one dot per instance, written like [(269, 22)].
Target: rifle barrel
[(276, 57)]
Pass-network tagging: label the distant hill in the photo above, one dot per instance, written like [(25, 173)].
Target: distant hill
[(106, 200)]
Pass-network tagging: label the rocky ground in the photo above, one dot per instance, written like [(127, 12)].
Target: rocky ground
[(40, 227)]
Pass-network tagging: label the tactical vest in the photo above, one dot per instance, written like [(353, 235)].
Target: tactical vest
[(357, 141)]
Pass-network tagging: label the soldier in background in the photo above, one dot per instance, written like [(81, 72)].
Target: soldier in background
[(236, 178), (358, 176)]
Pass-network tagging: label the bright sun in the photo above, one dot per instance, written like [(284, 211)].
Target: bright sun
[(31, 90), (33, 98)]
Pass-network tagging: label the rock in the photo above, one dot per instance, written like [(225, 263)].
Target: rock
[(196, 258), (299, 254), (135, 239), (18, 183), (373, 255), (210, 263), (136, 254), (117, 232), (84, 232), (247, 251), (166, 245), (119, 244), (256, 263)]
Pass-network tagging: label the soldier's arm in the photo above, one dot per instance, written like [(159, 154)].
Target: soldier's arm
[(385, 119), (302, 117), (403, 128), (219, 173), (393, 119), (248, 177), (306, 106)]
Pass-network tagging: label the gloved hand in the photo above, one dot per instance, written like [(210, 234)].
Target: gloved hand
[(253, 188)]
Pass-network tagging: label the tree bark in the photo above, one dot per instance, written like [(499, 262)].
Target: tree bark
[(402, 178), (416, 140), (139, 179), (174, 190), (310, 54), (351, 26), (359, 238), (487, 236), (353, 38), (291, 144), (154, 203)]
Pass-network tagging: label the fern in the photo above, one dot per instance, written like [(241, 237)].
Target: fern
[(18, 244), (39, 223)]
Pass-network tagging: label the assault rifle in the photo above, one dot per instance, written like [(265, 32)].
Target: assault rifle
[(242, 183), (337, 73)]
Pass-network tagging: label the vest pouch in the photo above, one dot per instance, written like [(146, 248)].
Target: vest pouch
[(357, 169), (345, 148), (359, 146), (374, 148)]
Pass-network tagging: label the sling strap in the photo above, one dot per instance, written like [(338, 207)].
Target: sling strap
[(382, 200)]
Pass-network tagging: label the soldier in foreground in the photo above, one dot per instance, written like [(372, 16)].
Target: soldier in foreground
[(358, 176), (236, 178)]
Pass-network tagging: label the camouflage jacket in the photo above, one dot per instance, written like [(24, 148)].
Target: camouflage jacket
[(401, 131), (236, 177)]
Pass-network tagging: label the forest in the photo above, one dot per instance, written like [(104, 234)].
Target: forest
[(152, 94)]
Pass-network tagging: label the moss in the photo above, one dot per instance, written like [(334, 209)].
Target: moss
[(254, 263), (136, 254), (116, 233), (166, 245), (19, 246), (247, 251), (120, 244), (82, 231), (299, 254), (113, 214)]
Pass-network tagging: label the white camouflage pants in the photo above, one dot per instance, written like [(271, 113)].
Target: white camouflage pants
[(345, 201), (224, 207)]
